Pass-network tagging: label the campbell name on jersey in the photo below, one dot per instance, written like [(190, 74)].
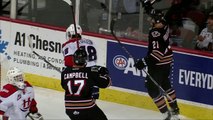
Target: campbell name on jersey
[(75, 75)]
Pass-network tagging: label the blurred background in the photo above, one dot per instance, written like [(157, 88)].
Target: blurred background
[(187, 17)]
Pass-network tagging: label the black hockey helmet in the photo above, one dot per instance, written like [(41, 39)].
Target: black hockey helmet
[(80, 57), (158, 17)]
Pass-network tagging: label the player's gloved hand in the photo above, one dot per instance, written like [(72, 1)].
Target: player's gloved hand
[(35, 116), (95, 92), (147, 5), (103, 71), (149, 2), (140, 64)]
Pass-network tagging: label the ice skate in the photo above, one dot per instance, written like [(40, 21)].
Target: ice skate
[(175, 114), (167, 116)]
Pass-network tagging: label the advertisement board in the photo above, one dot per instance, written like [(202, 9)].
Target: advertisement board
[(191, 76), (46, 42)]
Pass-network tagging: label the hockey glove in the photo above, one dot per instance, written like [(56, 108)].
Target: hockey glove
[(35, 116), (147, 6), (140, 64), (95, 92), (103, 71)]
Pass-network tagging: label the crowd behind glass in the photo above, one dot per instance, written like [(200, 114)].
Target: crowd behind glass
[(187, 18)]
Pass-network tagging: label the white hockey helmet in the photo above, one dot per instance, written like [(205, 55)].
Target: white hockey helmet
[(71, 31), (16, 77)]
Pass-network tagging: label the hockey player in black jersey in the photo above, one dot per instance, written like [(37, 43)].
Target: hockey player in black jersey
[(78, 82), (158, 61)]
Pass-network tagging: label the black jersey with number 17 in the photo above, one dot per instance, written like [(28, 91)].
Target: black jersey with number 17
[(159, 51), (78, 84)]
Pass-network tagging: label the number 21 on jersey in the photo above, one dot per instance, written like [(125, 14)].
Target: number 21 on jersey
[(155, 44)]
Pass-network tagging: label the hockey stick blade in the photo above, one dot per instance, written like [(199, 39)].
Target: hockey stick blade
[(39, 56)]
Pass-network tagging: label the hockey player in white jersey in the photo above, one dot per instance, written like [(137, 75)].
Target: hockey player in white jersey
[(74, 42), (17, 98)]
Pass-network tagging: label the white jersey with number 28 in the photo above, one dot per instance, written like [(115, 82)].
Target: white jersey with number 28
[(69, 48)]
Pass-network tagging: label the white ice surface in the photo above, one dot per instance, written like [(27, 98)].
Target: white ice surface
[(51, 106)]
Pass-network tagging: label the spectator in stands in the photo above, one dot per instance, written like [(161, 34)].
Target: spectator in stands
[(185, 9), (205, 39), (133, 33), (96, 15), (127, 13)]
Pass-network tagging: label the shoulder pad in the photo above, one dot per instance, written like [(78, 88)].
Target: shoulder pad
[(27, 84), (7, 90), (95, 68), (86, 41)]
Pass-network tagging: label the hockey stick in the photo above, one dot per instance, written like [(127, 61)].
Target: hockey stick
[(39, 56), (131, 56), (74, 22), (73, 15), (113, 34)]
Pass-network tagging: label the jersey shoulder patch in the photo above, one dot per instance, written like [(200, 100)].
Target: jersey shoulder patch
[(94, 68), (7, 90)]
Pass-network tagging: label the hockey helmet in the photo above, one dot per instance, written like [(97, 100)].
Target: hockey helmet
[(16, 77), (80, 57), (158, 17), (70, 32)]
